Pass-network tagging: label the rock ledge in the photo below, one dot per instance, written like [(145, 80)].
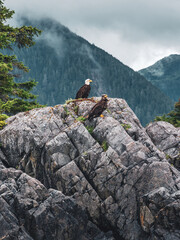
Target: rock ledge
[(110, 178)]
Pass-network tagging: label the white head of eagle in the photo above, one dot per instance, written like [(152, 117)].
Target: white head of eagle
[(84, 91), (87, 81)]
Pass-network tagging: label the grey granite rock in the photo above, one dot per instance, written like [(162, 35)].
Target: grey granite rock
[(167, 139), (31, 211), (62, 178)]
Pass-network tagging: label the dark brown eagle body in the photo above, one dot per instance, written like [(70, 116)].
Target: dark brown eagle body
[(98, 108), (83, 91)]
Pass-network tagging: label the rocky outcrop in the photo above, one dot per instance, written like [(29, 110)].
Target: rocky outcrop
[(65, 178), (166, 138), (31, 211)]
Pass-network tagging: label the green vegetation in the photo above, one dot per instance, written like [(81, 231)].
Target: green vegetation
[(69, 101), (14, 97), (90, 129), (125, 126), (76, 109), (109, 111), (104, 145), (173, 117), (81, 119), (62, 68), (167, 156), (85, 154), (66, 110), (3, 117)]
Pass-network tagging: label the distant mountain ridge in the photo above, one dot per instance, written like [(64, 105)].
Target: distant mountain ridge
[(165, 75), (61, 60)]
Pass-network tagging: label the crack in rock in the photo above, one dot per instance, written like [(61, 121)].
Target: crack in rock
[(127, 191)]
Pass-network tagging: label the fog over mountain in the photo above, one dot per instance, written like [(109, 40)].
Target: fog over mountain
[(138, 33), (165, 75), (61, 60)]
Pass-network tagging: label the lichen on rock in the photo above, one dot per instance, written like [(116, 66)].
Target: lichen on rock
[(57, 180)]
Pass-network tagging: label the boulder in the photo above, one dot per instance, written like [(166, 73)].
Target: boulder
[(65, 177), (166, 138)]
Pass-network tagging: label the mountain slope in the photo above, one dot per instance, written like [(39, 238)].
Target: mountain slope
[(165, 75), (61, 61)]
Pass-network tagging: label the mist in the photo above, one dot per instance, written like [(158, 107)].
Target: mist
[(138, 33)]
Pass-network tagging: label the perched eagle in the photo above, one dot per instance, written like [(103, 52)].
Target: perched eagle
[(98, 108), (84, 90)]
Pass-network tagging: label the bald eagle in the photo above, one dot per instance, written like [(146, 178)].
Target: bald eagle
[(98, 108), (84, 90)]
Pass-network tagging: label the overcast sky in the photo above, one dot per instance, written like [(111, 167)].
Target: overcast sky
[(137, 32)]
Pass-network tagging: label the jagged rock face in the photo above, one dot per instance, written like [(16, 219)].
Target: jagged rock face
[(166, 137), (102, 179), (31, 211)]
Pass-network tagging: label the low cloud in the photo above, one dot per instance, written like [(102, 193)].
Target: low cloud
[(136, 32)]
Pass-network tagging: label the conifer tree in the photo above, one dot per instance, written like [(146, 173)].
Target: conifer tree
[(14, 97), (173, 117)]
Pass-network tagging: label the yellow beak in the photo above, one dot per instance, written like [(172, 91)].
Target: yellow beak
[(90, 80)]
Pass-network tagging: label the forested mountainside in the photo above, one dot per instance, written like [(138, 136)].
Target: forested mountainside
[(165, 75), (60, 61)]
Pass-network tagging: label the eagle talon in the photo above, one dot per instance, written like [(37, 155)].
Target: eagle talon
[(102, 115)]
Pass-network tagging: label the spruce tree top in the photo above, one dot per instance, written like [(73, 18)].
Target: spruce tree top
[(14, 97)]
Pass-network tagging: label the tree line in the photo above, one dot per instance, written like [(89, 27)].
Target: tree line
[(17, 96), (14, 97)]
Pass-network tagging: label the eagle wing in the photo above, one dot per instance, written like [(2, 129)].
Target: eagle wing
[(83, 91), (96, 110)]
